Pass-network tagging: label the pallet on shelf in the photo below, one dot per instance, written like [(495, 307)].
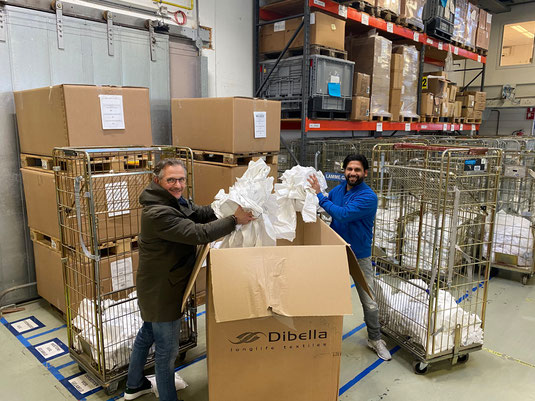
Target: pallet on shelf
[(455, 120), (314, 49), (429, 119), (407, 23), (329, 115), (230, 159), (407, 119), (386, 14), (380, 118)]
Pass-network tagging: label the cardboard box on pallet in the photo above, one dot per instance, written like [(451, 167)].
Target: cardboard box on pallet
[(445, 109), (427, 102), (467, 112), (452, 92), (478, 115), (229, 124), (406, 60), (412, 12), (214, 177), (48, 272), (485, 20), (436, 85), (325, 30), (82, 115), (458, 109), (396, 71), (472, 16), (361, 84), (372, 56), (395, 104), (291, 336), (479, 97), (360, 110), (467, 100), (482, 39)]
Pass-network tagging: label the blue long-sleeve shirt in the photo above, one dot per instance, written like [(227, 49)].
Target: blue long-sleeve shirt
[(353, 214)]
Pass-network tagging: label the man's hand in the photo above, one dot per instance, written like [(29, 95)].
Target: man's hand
[(243, 217), (314, 183)]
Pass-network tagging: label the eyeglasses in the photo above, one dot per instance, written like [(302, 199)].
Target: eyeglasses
[(172, 180)]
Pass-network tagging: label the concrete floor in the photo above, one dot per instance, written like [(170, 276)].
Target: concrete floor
[(503, 370)]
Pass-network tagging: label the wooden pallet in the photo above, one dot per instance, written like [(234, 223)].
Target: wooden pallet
[(46, 240), (231, 159), (118, 246), (408, 119), (408, 23), (380, 118), (36, 162), (329, 115), (455, 120), (481, 52), (429, 119), (314, 49), (360, 5), (387, 15)]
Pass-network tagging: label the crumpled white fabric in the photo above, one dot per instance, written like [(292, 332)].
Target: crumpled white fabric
[(294, 194), (403, 307), (253, 192), (121, 320), (513, 235), (180, 383)]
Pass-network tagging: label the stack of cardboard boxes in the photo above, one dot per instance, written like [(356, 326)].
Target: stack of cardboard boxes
[(225, 134), (473, 103), (372, 56), (404, 83), (361, 97), (483, 30), (434, 95), (72, 115)]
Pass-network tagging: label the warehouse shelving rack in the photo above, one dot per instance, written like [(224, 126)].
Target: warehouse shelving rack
[(432, 51)]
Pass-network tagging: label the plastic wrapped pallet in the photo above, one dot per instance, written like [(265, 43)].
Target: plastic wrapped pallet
[(472, 18), (459, 26), (412, 11), (372, 55), (390, 5), (409, 86)]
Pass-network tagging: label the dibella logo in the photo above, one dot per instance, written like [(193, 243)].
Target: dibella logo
[(247, 337)]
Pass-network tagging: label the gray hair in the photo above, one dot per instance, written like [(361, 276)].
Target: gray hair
[(158, 170)]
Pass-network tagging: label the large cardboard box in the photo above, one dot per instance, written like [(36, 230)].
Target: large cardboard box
[(467, 112), (360, 109), (478, 115), (49, 272), (479, 97), (485, 20), (274, 317), (325, 30), (412, 11), (458, 109), (435, 85), (40, 198), (372, 56), (361, 84), (395, 103), (81, 115), (452, 92), (426, 108), (211, 178), (482, 39), (391, 5), (467, 100), (229, 124)]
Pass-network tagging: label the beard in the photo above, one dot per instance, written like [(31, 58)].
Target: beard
[(352, 183)]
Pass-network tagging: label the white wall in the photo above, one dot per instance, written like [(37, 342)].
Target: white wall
[(230, 62)]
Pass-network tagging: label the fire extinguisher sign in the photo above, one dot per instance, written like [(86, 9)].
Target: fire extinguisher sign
[(530, 113)]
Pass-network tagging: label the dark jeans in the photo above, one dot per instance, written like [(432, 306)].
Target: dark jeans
[(165, 336)]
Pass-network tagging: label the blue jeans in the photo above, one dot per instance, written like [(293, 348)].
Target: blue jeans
[(165, 336), (369, 306)]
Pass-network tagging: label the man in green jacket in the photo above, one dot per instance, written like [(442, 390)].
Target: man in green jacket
[(171, 229)]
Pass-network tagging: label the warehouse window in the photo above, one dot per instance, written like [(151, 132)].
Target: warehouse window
[(517, 43)]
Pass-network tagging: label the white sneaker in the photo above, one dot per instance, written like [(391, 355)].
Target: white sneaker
[(379, 346)]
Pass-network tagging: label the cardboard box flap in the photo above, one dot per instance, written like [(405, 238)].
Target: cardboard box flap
[(290, 281), (202, 254)]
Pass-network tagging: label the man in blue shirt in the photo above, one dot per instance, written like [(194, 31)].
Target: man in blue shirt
[(352, 206)]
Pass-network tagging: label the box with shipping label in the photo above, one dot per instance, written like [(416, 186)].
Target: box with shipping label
[(391, 5), (467, 100), (479, 97), (361, 84), (215, 177), (325, 30), (457, 111), (437, 102), (228, 124), (445, 109), (288, 326), (82, 115), (412, 11), (485, 20), (435, 85), (360, 109), (452, 92)]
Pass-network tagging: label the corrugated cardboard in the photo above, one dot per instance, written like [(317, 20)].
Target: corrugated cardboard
[(396, 79), (451, 108), (70, 115), (458, 109), (274, 317), (485, 20), (372, 56), (478, 115), (482, 39), (211, 178), (436, 106), (443, 74), (467, 100), (467, 112), (479, 97), (426, 107), (49, 274), (40, 197), (452, 92), (225, 124), (445, 109), (395, 103), (437, 86), (412, 11), (472, 15), (325, 30), (361, 84), (360, 109)]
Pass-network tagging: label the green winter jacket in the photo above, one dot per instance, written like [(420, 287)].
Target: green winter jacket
[(170, 233)]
